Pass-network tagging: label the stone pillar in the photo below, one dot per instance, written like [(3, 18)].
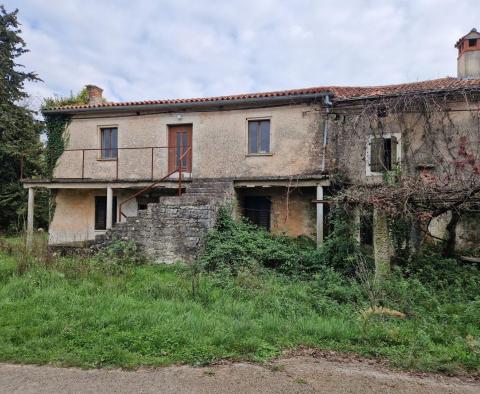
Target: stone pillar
[(356, 223), (319, 216), (109, 207), (382, 245), (31, 208)]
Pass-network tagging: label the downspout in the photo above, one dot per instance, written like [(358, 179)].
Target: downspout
[(328, 104)]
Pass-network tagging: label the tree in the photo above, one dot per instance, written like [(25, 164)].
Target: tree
[(19, 130)]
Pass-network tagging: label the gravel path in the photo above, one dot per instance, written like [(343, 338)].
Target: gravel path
[(298, 374)]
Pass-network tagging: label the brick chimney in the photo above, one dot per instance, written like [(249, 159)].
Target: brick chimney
[(94, 95), (468, 62)]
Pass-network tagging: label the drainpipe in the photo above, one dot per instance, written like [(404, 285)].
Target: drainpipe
[(328, 104)]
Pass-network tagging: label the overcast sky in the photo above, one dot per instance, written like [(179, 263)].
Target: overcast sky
[(148, 49)]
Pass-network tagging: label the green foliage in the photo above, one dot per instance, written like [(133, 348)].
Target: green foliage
[(235, 245), (340, 250), (72, 312), (238, 245), (57, 139), (463, 279), (74, 99), (120, 254), (56, 126), (19, 130)]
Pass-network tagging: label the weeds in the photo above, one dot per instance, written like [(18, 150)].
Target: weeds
[(72, 311)]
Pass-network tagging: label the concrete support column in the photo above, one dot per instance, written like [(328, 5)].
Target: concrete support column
[(31, 208), (382, 245), (109, 207), (319, 216)]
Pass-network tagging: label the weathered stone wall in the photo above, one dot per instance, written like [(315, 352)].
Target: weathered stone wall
[(174, 229), (171, 230)]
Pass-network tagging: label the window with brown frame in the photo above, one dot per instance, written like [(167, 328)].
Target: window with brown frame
[(109, 143), (259, 136)]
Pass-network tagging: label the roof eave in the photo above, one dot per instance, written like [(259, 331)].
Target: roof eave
[(194, 105), (393, 95)]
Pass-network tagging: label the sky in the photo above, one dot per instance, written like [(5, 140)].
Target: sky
[(153, 49)]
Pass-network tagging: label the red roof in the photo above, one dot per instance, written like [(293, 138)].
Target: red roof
[(340, 93)]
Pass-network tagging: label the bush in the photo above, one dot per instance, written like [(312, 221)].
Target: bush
[(235, 245), (119, 254), (454, 279)]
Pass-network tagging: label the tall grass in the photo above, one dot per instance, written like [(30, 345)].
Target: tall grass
[(73, 312)]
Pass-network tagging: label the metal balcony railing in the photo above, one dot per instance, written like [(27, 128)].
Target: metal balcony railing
[(149, 162)]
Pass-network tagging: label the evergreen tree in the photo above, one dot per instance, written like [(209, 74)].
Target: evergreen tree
[(19, 130)]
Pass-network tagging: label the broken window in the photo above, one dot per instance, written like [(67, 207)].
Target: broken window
[(383, 153), (259, 136), (101, 212), (109, 142), (257, 210)]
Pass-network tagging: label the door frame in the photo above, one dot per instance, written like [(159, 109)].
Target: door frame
[(172, 158)]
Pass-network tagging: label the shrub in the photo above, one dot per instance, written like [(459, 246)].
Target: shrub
[(456, 280), (120, 254), (235, 245)]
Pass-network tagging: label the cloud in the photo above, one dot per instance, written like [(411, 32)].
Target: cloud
[(151, 49)]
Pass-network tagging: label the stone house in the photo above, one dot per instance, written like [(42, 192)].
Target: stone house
[(156, 171)]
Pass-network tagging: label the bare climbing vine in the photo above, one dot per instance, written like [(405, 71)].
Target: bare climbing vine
[(440, 149)]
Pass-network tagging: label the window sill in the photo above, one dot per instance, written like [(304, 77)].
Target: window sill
[(258, 154), (101, 159)]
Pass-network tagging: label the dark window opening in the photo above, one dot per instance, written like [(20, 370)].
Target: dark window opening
[(258, 136), (387, 153), (142, 207), (109, 142), (472, 42), (101, 212), (366, 228), (382, 112), (383, 154), (257, 209)]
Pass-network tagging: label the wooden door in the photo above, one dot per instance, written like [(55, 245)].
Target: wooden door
[(179, 140)]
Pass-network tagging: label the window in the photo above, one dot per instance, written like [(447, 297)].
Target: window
[(258, 136), (101, 212), (109, 142), (472, 42), (257, 210), (383, 153)]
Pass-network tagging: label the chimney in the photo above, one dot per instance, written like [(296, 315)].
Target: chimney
[(468, 62), (94, 95)]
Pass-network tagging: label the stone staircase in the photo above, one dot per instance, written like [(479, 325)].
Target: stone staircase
[(174, 228)]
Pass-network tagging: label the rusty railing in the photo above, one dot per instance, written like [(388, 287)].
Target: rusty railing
[(116, 158), (178, 169)]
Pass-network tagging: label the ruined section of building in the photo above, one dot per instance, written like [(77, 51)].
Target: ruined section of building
[(157, 171)]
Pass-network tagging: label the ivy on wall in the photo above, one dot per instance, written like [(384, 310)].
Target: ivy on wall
[(56, 127), (57, 139)]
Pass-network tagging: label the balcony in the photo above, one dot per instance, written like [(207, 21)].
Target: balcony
[(129, 163)]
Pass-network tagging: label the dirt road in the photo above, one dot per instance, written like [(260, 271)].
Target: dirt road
[(300, 374)]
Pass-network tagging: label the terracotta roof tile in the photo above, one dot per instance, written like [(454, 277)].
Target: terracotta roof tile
[(340, 93)]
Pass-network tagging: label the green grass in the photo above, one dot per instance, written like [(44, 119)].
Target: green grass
[(75, 314)]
